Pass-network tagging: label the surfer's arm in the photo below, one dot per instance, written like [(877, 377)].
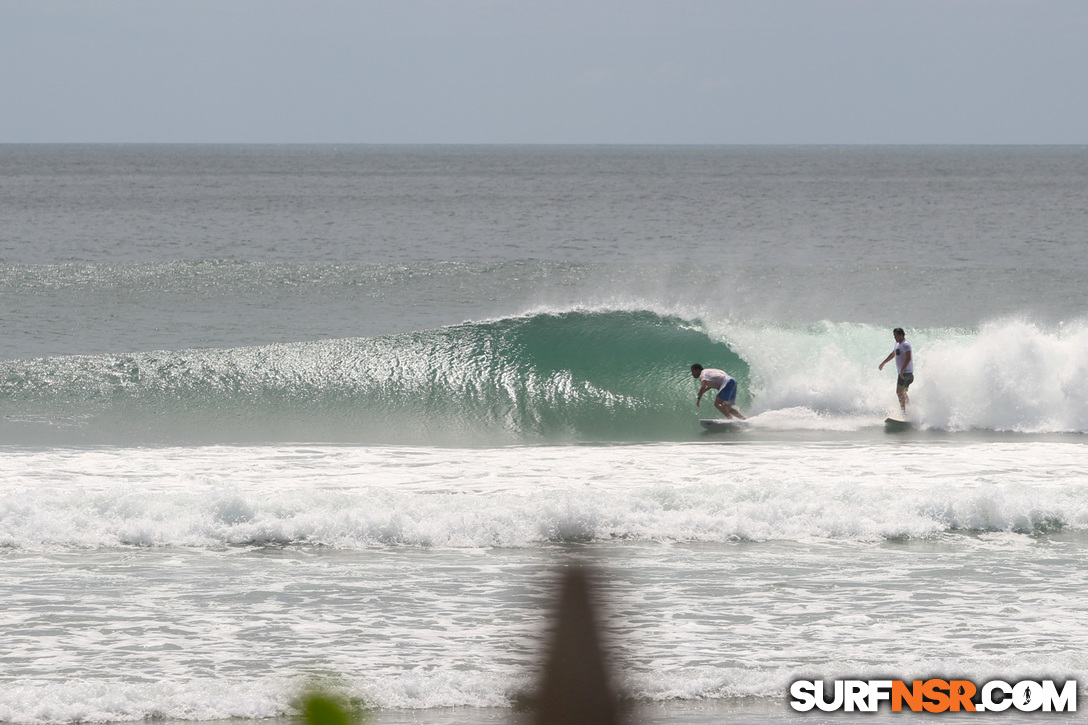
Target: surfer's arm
[(887, 360), (702, 390), (906, 359)]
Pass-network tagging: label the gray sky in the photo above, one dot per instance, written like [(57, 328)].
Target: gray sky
[(506, 71)]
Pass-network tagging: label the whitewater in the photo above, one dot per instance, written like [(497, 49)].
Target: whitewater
[(277, 416)]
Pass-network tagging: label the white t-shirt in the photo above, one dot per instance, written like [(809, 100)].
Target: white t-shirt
[(901, 351), (716, 379)]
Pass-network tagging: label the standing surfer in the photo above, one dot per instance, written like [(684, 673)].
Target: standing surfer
[(904, 363), (722, 382)]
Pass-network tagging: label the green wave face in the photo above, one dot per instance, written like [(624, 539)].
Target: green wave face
[(576, 376), (565, 377)]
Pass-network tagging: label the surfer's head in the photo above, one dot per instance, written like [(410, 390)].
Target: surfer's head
[(696, 370), (898, 334)]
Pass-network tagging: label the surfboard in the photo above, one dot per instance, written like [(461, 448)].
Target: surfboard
[(722, 424), (895, 425)]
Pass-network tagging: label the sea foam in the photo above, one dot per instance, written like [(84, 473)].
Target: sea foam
[(522, 497)]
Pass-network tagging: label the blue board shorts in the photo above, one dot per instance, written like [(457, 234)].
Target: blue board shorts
[(729, 392)]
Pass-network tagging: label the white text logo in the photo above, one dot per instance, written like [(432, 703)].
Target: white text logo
[(934, 695)]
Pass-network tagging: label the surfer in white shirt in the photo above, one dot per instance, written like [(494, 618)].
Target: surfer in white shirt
[(721, 381), (904, 363)]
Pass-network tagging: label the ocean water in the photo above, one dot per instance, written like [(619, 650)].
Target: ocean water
[(272, 416)]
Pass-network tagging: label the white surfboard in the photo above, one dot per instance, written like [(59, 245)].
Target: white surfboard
[(895, 425), (722, 424)]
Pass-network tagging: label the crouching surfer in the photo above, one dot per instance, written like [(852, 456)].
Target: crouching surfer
[(719, 380)]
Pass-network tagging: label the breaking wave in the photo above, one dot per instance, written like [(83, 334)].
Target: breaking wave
[(568, 376)]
